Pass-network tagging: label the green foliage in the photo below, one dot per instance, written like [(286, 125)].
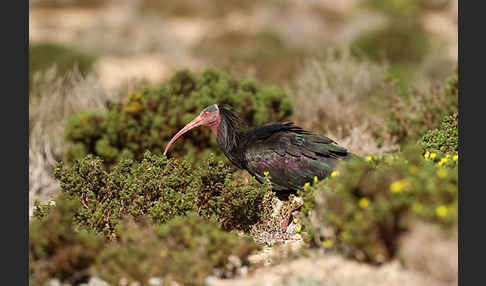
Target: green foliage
[(190, 8), (444, 139), (237, 203), (56, 249), (160, 188), (41, 211), (411, 115), (186, 249), (266, 52), (57, 4), (395, 8), (150, 116), (401, 42), (363, 211), (44, 55)]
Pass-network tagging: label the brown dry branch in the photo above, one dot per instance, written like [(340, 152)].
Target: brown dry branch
[(337, 95), (52, 99)]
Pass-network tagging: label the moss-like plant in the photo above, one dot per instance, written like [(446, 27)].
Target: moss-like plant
[(150, 116), (57, 249), (444, 139), (364, 210), (186, 250), (44, 55), (160, 188)]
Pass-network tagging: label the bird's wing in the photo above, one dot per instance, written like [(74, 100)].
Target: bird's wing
[(291, 155)]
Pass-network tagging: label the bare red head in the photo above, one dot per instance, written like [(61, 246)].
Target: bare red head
[(209, 117)]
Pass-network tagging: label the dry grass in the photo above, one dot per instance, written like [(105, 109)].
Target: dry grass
[(337, 96), (53, 98)]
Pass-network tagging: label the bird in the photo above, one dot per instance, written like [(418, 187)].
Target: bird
[(288, 155)]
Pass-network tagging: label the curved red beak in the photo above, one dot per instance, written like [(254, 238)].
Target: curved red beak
[(193, 124)]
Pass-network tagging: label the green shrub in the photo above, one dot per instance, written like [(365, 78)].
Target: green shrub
[(44, 55), (56, 249), (186, 249), (190, 8), (363, 211), (444, 139), (151, 116), (40, 210), (394, 8), (160, 188), (236, 202), (265, 52), (400, 42), (409, 117), (57, 4)]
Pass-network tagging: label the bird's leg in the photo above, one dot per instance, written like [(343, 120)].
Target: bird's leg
[(286, 221), (290, 215)]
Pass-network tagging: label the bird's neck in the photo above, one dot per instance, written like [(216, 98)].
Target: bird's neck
[(230, 140)]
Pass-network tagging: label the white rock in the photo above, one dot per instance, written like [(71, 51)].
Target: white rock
[(155, 281)]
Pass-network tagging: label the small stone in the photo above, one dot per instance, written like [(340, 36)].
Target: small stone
[(210, 280), (54, 282), (244, 270), (235, 260), (155, 281), (123, 282), (95, 281)]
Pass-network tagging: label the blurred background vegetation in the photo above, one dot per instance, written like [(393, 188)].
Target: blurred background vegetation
[(111, 81)]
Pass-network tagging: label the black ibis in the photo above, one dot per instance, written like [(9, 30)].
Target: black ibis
[(289, 155)]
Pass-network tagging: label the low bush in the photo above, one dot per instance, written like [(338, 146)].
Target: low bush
[(411, 115), (400, 42), (43, 55), (150, 116), (363, 210), (189, 8), (160, 188), (396, 8), (265, 53), (56, 249), (445, 139), (185, 249)]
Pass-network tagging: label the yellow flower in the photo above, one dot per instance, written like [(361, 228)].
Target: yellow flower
[(265, 173), (417, 207), (315, 179), (306, 185), (298, 228), (441, 211), (397, 186), (440, 163), (368, 158), (363, 203), (413, 169), (335, 174), (441, 173), (448, 156), (455, 157), (327, 243), (296, 220), (426, 155), (433, 155)]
